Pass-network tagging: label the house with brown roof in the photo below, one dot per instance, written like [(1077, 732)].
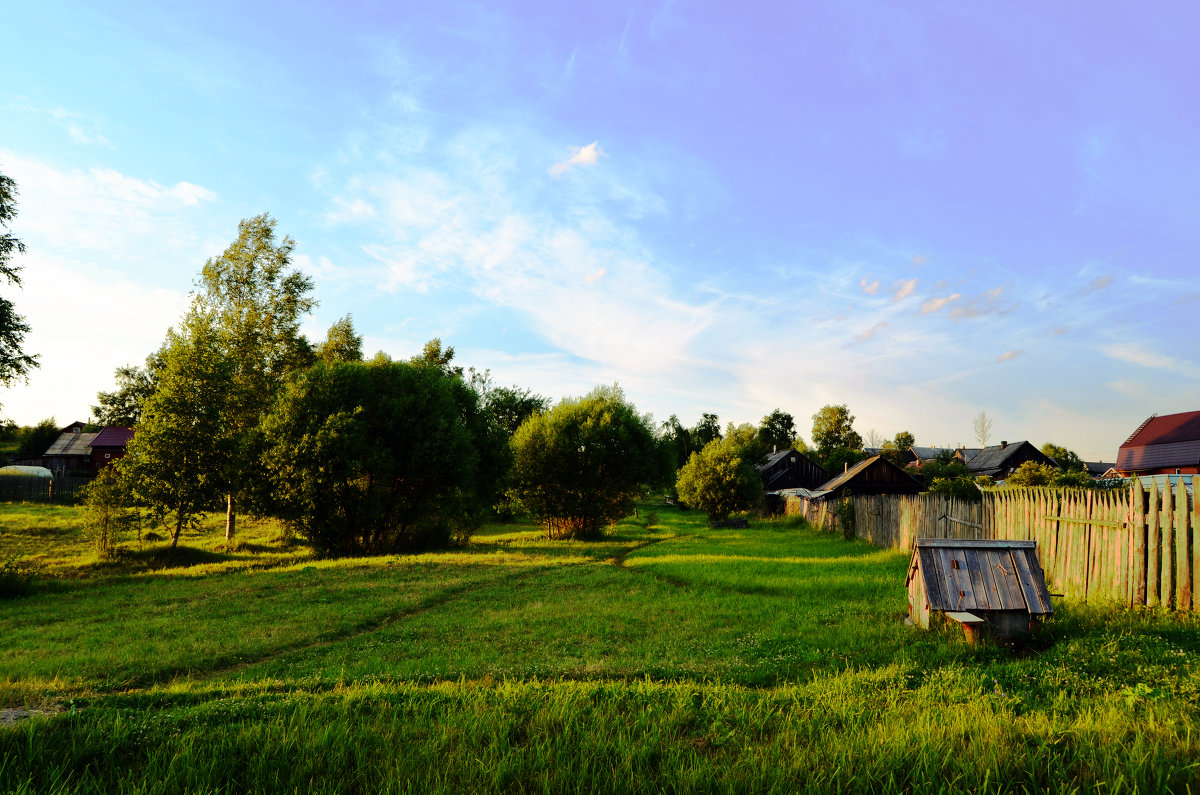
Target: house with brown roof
[(790, 469), (876, 475), (998, 461), (1166, 445), (71, 451), (109, 445)]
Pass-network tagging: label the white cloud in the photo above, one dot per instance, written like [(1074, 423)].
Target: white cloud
[(595, 275), (872, 331), (1007, 355), (904, 289), (934, 304), (870, 288), (580, 156), (1142, 356)]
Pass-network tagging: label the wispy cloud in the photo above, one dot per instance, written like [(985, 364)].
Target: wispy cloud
[(580, 156), (1095, 285), (986, 304), (870, 288), (935, 304), (872, 331), (1008, 355), (1142, 356), (903, 289)]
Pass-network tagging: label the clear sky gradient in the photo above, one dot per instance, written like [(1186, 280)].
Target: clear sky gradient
[(920, 210)]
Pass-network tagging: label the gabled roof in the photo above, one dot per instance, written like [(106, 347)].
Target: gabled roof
[(995, 458), (925, 453), (1172, 440), (113, 436), (71, 443), (899, 475)]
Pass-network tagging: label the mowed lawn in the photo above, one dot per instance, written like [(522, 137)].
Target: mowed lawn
[(669, 656)]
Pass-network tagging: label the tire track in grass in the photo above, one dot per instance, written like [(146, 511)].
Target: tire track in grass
[(431, 602)]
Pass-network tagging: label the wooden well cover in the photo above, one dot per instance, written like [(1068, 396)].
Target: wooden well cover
[(965, 575)]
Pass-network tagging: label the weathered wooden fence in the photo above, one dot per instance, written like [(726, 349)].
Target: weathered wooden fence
[(1134, 546), (61, 489), (818, 513)]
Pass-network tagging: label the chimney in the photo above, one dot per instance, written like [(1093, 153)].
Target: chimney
[(1003, 445), (845, 467)]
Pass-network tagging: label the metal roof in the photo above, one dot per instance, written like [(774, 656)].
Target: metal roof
[(1167, 429), (113, 436), (990, 574), (71, 443), (1161, 455)]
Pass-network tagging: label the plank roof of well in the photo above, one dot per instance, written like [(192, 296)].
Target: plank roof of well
[(981, 575), (71, 443), (1172, 440)]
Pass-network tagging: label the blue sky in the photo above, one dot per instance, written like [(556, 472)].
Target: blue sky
[(919, 210)]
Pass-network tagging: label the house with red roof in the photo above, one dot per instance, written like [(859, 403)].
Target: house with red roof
[(109, 445), (1166, 445)]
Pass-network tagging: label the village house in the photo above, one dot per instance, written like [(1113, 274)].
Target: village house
[(1166, 445), (998, 461)]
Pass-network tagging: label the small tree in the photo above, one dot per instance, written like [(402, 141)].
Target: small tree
[(107, 513), (578, 467), (175, 462), (721, 478), (982, 426), (708, 429)]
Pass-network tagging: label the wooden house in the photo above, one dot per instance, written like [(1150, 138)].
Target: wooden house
[(1001, 460), (109, 445), (876, 475), (987, 586), (71, 451), (1166, 445), (791, 469)]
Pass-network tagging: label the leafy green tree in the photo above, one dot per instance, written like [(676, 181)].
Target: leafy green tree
[(677, 440), (175, 462), (1066, 459), (15, 364), (946, 475), (253, 301), (375, 457), (37, 439), (342, 343), (840, 459), (833, 429), (1032, 473), (511, 406), (578, 467), (721, 478), (904, 441), (433, 355), (123, 406), (777, 431), (708, 429)]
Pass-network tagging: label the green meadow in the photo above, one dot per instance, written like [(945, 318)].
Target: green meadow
[(669, 656)]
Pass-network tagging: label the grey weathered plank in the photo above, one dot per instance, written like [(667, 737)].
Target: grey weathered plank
[(974, 566), (1030, 590)]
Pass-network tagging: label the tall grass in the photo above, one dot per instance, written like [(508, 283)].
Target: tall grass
[(667, 656)]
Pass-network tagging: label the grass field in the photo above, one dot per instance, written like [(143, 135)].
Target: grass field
[(669, 656)]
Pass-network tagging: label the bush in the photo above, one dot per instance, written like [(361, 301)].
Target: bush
[(578, 467), (379, 456), (16, 578), (721, 479), (845, 515)]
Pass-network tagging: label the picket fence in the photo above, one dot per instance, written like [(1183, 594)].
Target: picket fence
[(61, 489), (1134, 546)]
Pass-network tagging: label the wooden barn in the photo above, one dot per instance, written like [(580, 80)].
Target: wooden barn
[(987, 586), (876, 475), (791, 469)]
